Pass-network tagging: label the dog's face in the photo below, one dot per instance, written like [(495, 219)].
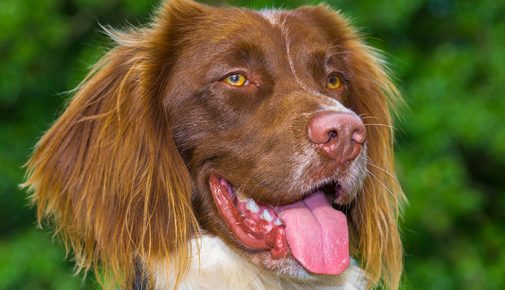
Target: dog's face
[(257, 98), (269, 129)]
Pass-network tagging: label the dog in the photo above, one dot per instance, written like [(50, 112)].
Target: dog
[(226, 148)]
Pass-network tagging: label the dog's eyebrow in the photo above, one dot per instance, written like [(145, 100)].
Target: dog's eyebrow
[(335, 58), (236, 56), (247, 53), (321, 59), (319, 56)]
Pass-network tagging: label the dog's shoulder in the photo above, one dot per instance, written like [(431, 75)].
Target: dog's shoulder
[(216, 266)]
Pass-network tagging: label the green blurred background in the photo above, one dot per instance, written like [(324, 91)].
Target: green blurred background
[(448, 58)]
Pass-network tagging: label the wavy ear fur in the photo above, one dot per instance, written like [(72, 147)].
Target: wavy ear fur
[(374, 97), (107, 173)]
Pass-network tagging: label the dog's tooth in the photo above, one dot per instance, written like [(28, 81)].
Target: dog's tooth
[(252, 205), (278, 222), (265, 215)]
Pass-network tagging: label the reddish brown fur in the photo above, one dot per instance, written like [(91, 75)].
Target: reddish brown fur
[(123, 172)]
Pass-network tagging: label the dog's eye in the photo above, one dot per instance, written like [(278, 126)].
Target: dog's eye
[(236, 80), (334, 82)]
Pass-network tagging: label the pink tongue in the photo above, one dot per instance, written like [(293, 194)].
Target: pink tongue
[(317, 234)]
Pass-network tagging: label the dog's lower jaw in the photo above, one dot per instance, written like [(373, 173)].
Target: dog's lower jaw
[(219, 267)]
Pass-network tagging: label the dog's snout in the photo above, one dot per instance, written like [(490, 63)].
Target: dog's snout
[(339, 135)]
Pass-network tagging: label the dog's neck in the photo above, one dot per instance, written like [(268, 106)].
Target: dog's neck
[(219, 267)]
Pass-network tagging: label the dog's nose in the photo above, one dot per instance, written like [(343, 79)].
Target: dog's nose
[(339, 135)]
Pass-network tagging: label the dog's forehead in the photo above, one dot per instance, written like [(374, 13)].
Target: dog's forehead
[(269, 28), (295, 24)]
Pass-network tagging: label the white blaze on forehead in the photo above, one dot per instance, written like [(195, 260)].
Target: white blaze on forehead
[(272, 15), (327, 104)]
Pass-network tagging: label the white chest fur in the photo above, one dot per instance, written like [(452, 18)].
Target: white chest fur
[(219, 267)]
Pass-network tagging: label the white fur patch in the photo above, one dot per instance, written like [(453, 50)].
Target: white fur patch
[(219, 267), (272, 15)]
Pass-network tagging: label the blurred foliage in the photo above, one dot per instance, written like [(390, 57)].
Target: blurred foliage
[(449, 61)]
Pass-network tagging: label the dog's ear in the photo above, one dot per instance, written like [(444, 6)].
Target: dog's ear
[(374, 97), (108, 173)]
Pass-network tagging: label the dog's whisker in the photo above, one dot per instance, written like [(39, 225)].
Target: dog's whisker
[(383, 184), (380, 125), (369, 162), (369, 117)]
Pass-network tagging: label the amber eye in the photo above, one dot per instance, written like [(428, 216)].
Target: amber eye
[(334, 82), (236, 80)]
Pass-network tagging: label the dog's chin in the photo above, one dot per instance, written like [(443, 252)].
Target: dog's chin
[(287, 267), (267, 236)]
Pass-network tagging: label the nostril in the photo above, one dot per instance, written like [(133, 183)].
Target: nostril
[(359, 134), (332, 134)]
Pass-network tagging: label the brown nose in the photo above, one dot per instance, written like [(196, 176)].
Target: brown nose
[(339, 135)]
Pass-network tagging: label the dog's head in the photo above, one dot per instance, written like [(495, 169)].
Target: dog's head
[(271, 130)]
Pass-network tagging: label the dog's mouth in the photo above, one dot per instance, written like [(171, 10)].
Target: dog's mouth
[(310, 229)]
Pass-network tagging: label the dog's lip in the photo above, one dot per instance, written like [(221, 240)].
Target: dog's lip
[(256, 226), (261, 227)]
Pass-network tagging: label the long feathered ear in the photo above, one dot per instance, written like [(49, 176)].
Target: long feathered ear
[(108, 174), (374, 97), (379, 205)]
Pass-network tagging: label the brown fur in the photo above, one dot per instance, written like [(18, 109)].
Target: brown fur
[(123, 172)]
